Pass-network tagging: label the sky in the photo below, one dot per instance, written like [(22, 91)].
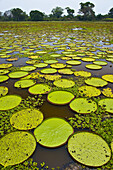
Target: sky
[(101, 6)]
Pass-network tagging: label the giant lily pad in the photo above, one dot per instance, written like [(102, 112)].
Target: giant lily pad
[(108, 77), (3, 78), (89, 91), (107, 92), (107, 104), (89, 149), (27, 68), (53, 132), (9, 101), (82, 73), (65, 71), (93, 66), (39, 89), (40, 65), (24, 83), (101, 63), (60, 97), (73, 62), (52, 77), (88, 59), (16, 147), (26, 119), (83, 105), (48, 71), (17, 74), (5, 65), (50, 61), (58, 65), (3, 71), (3, 90), (64, 83), (95, 81)]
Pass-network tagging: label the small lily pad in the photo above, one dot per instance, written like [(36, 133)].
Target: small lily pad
[(107, 104), (53, 132), (93, 66), (24, 83), (39, 89), (16, 147), (60, 97), (108, 77), (9, 101), (17, 74), (89, 149), (64, 83), (89, 91), (83, 105), (95, 81), (3, 91), (26, 119), (3, 78)]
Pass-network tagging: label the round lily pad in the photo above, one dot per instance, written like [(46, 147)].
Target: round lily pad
[(52, 77), (101, 63), (89, 149), (58, 65), (3, 71), (55, 55), (31, 61), (16, 147), (108, 77), (9, 101), (53, 132), (50, 61), (26, 119), (5, 65), (3, 78), (88, 59), (39, 89), (95, 81), (82, 73), (65, 71), (107, 104), (60, 97), (83, 105), (49, 71), (40, 65), (93, 66), (73, 62), (89, 91), (24, 83), (17, 74), (27, 68), (107, 92), (64, 83), (3, 90)]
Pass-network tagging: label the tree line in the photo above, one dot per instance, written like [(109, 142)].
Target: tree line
[(85, 13)]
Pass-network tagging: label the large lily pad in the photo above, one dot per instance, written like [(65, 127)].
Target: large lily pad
[(48, 71), (88, 59), (17, 74), (52, 77), (40, 65), (9, 101), (64, 83), (101, 63), (95, 81), (3, 71), (108, 77), (5, 65), (3, 90), (58, 65), (27, 68), (107, 92), (50, 61), (107, 104), (93, 66), (53, 132), (65, 71), (39, 89), (82, 73), (83, 105), (60, 97), (73, 62), (24, 83), (26, 119), (3, 78), (16, 147), (89, 149), (89, 91)]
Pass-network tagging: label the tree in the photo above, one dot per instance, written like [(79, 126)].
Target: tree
[(57, 12), (87, 10), (18, 14), (36, 15), (8, 16), (110, 13), (70, 12)]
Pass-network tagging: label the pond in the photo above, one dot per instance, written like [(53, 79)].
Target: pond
[(42, 63)]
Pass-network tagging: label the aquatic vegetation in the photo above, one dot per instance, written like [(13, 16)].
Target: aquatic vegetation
[(82, 73), (64, 83), (107, 104), (108, 77), (3, 78), (24, 83), (27, 68), (94, 151), (93, 66), (56, 134), (39, 89), (3, 91), (96, 82), (107, 92), (17, 74)]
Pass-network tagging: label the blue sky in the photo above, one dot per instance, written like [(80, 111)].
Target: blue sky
[(101, 6)]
